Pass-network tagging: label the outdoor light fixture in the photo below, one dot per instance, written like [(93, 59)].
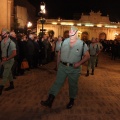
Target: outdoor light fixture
[(66, 23), (79, 24), (111, 26), (29, 24), (42, 20), (42, 8), (54, 23)]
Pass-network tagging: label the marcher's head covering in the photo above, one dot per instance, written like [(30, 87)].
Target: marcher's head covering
[(74, 28), (5, 30)]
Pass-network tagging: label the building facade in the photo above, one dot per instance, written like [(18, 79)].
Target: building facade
[(24, 13), (92, 25), (6, 14), (12, 10), (21, 16)]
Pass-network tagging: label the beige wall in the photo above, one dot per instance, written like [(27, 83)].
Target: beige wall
[(12, 13), (21, 15), (94, 17), (99, 24), (6, 13), (95, 32), (92, 31)]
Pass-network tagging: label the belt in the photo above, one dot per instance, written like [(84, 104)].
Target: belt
[(93, 55), (67, 64)]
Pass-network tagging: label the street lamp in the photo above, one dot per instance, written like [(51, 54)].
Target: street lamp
[(42, 12), (42, 8), (29, 25)]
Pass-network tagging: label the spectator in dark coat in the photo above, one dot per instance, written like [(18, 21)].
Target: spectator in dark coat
[(22, 43), (114, 50), (30, 50), (41, 51), (36, 51)]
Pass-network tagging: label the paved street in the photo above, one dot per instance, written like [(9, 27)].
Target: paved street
[(98, 96)]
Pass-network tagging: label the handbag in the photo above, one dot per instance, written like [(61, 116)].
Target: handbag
[(24, 64)]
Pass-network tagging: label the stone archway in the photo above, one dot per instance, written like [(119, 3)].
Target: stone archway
[(102, 36), (66, 34), (117, 37), (84, 36)]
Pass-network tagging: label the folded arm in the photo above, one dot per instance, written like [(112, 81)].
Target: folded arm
[(84, 59)]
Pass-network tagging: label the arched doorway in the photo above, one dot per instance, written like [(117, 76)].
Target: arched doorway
[(102, 36), (66, 34), (84, 36)]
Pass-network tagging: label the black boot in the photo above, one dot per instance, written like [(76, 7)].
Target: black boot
[(96, 64), (10, 87), (49, 101), (92, 72), (1, 89), (70, 104), (87, 73)]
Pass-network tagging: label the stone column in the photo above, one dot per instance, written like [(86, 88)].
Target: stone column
[(5, 10), (9, 14)]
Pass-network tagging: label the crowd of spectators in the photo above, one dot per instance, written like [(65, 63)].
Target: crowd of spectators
[(111, 47), (36, 50)]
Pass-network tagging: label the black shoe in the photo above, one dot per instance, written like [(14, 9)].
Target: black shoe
[(1, 76), (1, 89), (10, 87), (14, 77), (87, 73), (92, 72), (49, 101), (70, 104)]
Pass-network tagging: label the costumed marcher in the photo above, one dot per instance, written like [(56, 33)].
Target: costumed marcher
[(100, 48), (8, 49), (57, 48), (94, 51), (13, 37), (69, 57)]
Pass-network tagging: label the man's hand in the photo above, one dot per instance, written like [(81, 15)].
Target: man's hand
[(84, 59), (1, 63), (97, 54), (4, 59), (76, 65)]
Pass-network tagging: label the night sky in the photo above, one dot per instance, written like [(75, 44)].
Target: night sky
[(65, 9)]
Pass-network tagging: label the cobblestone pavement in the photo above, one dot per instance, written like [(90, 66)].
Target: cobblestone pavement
[(98, 96)]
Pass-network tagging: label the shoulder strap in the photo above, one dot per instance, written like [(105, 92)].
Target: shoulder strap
[(61, 45), (97, 48), (82, 50), (8, 48)]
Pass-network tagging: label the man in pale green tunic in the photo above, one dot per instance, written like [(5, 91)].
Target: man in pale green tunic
[(57, 48), (69, 58), (94, 51), (101, 48), (8, 50)]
